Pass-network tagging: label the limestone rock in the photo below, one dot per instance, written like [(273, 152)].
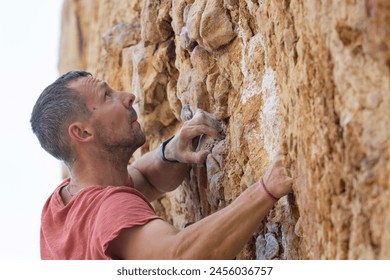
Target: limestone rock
[(313, 76), (156, 21), (208, 24), (216, 29)]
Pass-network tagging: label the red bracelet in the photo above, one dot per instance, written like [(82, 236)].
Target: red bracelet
[(266, 191)]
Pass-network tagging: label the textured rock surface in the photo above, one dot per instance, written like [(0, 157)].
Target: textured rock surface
[(313, 76)]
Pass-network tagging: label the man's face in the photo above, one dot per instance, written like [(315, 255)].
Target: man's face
[(112, 115)]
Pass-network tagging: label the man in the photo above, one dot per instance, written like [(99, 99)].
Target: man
[(102, 211)]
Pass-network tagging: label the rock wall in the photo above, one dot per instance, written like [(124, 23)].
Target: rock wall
[(313, 76)]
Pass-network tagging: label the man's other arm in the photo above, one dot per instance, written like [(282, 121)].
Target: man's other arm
[(219, 236)]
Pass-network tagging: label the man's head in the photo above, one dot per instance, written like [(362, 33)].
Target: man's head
[(81, 114), (55, 109)]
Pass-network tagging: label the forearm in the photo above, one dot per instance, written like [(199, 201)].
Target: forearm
[(224, 234), (219, 236), (163, 176)]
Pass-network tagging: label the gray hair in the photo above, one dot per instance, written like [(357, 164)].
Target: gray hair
[(57, 107)]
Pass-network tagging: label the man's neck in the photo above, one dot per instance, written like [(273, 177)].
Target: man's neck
[(99, 172)]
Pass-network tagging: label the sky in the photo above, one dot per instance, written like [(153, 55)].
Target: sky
[(29, 34)]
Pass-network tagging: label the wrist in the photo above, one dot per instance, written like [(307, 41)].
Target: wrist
[(267, 192), (166, 153)]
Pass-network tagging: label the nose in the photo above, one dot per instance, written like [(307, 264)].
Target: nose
[(128, 99)]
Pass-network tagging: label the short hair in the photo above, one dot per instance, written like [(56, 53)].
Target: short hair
[(58, 106)]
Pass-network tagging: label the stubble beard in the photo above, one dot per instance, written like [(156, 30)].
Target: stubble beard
[(119, 149)]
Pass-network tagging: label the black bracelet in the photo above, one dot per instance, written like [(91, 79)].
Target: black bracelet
[(162, 150)]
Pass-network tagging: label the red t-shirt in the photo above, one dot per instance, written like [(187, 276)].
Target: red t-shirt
[(84, 227)]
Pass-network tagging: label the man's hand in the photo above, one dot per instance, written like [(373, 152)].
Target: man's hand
[(276, 179), (183, 147)]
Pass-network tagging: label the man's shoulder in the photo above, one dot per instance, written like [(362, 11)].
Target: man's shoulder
[(116, 195)]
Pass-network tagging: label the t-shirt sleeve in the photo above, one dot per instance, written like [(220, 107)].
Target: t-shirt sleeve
[(120, 209)]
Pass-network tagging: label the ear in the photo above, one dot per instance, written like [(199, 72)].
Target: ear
[(80, 132)]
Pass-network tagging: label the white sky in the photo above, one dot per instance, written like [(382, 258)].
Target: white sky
[(29, 38)]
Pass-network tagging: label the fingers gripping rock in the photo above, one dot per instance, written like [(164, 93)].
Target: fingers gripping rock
[(203, 142), (206, 142)]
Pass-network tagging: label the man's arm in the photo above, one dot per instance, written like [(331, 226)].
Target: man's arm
[(219, 236), (153, 176)]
